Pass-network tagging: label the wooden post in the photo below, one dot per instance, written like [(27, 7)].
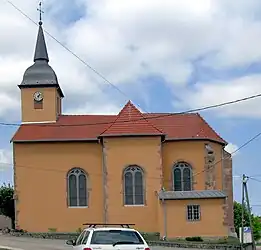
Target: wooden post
[(242, 213), (249, 212)]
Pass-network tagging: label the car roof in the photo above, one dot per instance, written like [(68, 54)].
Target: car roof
[(109, 228)]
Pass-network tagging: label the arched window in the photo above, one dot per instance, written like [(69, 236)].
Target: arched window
[(77, 188), (182, 177), (133, 186)]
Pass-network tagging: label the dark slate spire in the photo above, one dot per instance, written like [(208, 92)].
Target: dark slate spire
[(40, 74), (40, 48)]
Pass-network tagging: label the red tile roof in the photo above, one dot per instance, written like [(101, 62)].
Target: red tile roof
[(129, 121)]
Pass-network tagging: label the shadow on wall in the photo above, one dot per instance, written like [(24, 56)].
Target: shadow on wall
[(5, 222)]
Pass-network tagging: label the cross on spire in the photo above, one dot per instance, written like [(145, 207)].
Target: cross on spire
[(40, 12)]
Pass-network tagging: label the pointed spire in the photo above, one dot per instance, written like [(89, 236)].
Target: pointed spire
[(40, 48)]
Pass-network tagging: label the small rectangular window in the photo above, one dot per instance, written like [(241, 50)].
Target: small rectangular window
[(38, 105), (193, 212)]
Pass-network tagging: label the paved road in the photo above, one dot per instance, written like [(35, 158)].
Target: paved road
[(21, 243), (32, 244)]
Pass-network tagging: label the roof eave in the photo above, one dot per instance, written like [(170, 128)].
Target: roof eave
[(131, 135), (189, 195), (193, 198), (224, 143), (57, 140), (24, 86)]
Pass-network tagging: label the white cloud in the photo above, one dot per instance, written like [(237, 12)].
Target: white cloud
[(130, 40), (211, 93), (89, 108), (6, 160), (230, 148)]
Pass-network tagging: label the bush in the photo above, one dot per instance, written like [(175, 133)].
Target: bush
[(195, 238), (228, 240)]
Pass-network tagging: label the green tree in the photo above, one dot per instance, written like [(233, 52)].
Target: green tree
[(256, 227), (255, 220), (7, 207)]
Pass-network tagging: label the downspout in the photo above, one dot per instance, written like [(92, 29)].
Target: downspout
[(222, 168), (15, 196), (165, 218), (104, 182), (163, 139)]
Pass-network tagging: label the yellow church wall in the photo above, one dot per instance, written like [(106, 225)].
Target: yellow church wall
[(179, 226), (51, 107), (192, 152), (40, 183), (146, 153)]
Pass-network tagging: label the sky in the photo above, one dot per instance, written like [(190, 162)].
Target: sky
[(164, 55)]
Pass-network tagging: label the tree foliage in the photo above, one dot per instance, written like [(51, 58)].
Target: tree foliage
[(256, 222), (7, 207), (256, 227)]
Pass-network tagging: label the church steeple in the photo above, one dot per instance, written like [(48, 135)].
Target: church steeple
[(40, 74), (41, 95), (40, 48)]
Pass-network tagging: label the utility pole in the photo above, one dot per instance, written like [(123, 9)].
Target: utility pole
[(242, 214), (245, 194)]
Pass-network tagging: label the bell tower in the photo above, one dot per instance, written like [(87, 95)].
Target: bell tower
[(41, 95)]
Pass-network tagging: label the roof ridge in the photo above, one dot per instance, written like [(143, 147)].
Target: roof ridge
[(146, 113), (87, 115), (169, 113), (180, 127)]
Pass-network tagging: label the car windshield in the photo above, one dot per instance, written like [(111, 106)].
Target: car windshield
[(109, 237)]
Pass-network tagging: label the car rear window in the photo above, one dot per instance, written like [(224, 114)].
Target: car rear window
[(108, 237)]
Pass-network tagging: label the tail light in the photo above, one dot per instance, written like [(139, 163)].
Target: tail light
[(87, 248), (147, 248)]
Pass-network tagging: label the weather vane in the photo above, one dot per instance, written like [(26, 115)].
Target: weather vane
[(40, 12)]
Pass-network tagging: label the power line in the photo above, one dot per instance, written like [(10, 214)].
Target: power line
[(239, 148), (256, 175), (110, 83), (73, 53), (235, 151), (200, 172), (254, 179), (147, 118)]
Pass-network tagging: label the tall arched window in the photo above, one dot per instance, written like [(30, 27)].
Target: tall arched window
[(77, 188), (133, 186), (182, 177)]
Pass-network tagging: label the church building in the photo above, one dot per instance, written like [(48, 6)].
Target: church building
[(166, 173)]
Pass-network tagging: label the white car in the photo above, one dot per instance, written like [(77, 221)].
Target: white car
[(109, 238)]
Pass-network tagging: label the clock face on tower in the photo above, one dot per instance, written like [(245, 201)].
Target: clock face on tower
[(38, 96)]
